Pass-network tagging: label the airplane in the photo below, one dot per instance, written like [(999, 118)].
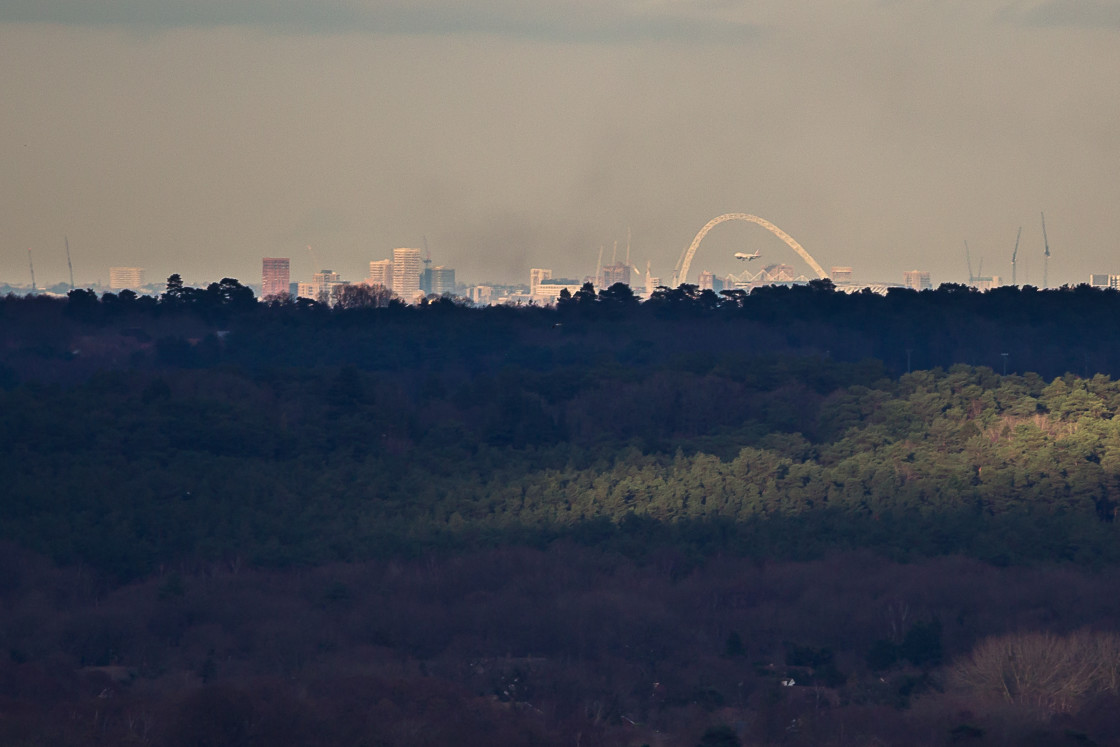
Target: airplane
[(748, 257)]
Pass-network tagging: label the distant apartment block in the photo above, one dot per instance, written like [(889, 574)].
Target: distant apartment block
[(1105, 281), (439, 280), (548, 291), (616, 273), (381, 273), (323, 286), (275, 276), (536, 277), (326, 281), (840, 275), (406, 273), (986, 284), (483, 295), (121, 278), (917, 280), (711, 281)]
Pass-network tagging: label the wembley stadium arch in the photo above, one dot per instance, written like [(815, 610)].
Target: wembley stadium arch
[(685, 262)]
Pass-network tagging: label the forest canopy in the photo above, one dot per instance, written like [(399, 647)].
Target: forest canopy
[(203, 425), (792, 516)]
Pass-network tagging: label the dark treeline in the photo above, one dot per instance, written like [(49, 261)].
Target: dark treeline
[(1048, 332), (611, 522)]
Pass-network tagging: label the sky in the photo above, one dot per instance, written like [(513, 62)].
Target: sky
[(197, 137)]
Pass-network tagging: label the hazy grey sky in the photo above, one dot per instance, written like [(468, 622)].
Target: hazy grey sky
[(198, 136)]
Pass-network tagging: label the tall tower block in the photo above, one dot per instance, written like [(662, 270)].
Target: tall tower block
[(275, 276), (406, 273)]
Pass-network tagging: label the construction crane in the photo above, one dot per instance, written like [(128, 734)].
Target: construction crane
[(979, 280), (599, 268), (68, 264), (1014, 254), (1046, 255), (32, 266)]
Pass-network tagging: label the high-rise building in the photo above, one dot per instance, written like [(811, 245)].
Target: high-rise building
[(381, 273), (536, 276), (917, 280), (121, 278), (275, 277), (324, 283), (616, 273), (840, 275), (406, 273), (441, 280)]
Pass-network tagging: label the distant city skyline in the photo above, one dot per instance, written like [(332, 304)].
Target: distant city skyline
[(540, 287), (616, 271), (196, 139)]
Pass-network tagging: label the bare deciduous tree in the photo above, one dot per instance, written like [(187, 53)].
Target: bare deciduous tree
[(1053, 673)]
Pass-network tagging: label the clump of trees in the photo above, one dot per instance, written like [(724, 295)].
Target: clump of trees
[(1044, 673)]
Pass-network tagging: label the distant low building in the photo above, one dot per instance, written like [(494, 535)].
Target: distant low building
[(121, 278), (917, 280), (840, 275), (711, 281), (547, 292), (986, 283), (537, 275), (1105, 281), (879, 288), (323, 287), (483, 295), (326, 284)]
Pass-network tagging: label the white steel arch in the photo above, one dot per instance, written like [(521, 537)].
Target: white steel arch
[(690, 252)]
